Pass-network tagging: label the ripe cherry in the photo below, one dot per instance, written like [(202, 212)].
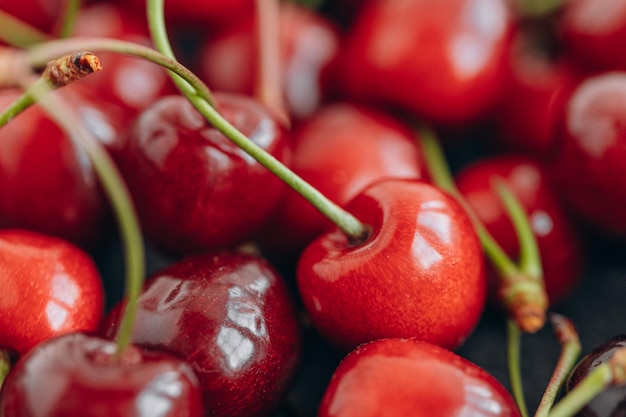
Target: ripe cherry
[(41, 14), (194, 189), (406, 377), (80, 375), (231, 317), (419, 273), (50, 287), (558, 242)]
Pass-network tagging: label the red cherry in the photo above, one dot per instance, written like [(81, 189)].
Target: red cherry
[(49, 287), (48, 183), (194, 189), (308, 43), (80, 375), (405, 377), (442, 60), (339, 150), (419, 274), (231, 317), (558, 242), (201, 12), (592, 31), (41, 14), (589, 164)]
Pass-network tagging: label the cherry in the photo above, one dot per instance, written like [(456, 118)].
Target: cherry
[(194, 189), (402, 377), (419, 273), (611, 401), (41, 14), (558, 242), (231, 317), (440, 60), (81, 375), (588, 163), (308, 43), (339, 150), (50, 287), (48, 183)]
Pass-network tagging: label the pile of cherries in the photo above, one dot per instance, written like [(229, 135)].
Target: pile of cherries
[(345, 254)]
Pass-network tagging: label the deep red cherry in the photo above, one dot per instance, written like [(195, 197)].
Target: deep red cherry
[(49, 287), (339, 150), (308, 43), (558, 241), (229, 315), (612, 401), (589, 164), (194, 189), (441, 60), (48, 183), (405, 377), (592, 31), (41, 14), (419, 274), (80, 375)]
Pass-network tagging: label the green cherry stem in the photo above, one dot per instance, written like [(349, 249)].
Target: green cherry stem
[(18, 33), (570, 350), (608, 374), (5, 365), (513, 347), (68, 19)]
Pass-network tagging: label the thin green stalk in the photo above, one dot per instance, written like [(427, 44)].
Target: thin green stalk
[(514, 364), (17, 33), (70, 13), (586, 390), (5, 365)]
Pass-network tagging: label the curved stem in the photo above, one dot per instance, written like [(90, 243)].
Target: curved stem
[(5, 365), (15, 32), (593, 384), (514, 364), (570, 350)]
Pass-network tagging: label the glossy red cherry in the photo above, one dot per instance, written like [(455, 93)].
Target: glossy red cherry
[(558, 241), (194, 189), (419, 274), (339, 150), (592, 31), (405, 377), (589, 164), (610, 402), (308, 43), (49, 287), (80, 375), (48, 183), (440, 60), (231, 317)]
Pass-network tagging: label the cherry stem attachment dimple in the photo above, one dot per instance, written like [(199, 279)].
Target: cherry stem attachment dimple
[(513, 344), (570, 350)]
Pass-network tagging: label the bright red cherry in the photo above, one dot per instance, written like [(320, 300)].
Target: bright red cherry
[(80, 375), (231, 316), (339, 150), (194, 189), (49, 287), (48, 183), (589, 164), (441, 60), (559, 244), (420, 273), (406, 377), (308, 43)]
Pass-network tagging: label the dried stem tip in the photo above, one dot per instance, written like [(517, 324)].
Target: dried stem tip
[(526, 302), (71, 67)]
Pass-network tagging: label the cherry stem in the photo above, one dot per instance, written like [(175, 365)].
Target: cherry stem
[(523, 296), (570, 350), (513, 344), (17, 33), (269, 82), (5, 365), (608, 374), (538, 8), (68, 19)]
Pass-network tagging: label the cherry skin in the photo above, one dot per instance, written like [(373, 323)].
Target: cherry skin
[(406, 377), (308, 43), (194, 189), (339, 150), (48, 183), (231, 317), (50, 287), (419, 274), (558, 241), (440, 60), (80, 375), (610, 402), (588, 165), (42, 14)]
